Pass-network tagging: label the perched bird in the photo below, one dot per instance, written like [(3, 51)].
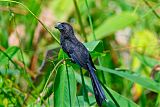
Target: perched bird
[(80, 55)]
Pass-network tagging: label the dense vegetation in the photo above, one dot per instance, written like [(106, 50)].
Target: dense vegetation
[(121, 35)]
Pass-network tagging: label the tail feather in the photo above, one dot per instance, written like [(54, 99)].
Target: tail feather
[(98, 91)]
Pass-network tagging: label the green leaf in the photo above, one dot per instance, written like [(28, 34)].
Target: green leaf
[(80, 102), (94, 46), (73, 87), (122, 100), (90, 88), (11, 51), (119, 98), (144, 82), (114, 24), (148, 61), (61, 96)]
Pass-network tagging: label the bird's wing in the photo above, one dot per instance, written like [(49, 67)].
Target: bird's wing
[(80, 55)]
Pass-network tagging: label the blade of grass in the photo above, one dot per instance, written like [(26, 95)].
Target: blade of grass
[(80, 20), (10, 58), (144, 82), (34, 17), (61, 97), (121, 100), (153, 10), (90, 20), (110, 94), (26, 75), (94, 36), (54, 69), (85, 92)]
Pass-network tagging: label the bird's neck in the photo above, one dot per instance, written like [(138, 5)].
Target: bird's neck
[(69, 36)]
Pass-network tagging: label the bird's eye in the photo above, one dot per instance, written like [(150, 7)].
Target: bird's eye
[(63, 26)]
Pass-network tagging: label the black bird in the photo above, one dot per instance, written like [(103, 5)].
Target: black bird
[(79, 54)]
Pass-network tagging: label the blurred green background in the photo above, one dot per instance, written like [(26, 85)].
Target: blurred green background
[(121, 35)]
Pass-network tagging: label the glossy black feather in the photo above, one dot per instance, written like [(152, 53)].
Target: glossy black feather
[(79, 54)]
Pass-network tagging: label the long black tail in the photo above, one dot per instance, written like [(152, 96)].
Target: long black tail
[(98, 91)]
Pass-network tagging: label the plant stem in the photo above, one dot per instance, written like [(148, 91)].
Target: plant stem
[(90, 20), (146, 2), (45, 27), (80, 20), (114, 100), (85, 92)]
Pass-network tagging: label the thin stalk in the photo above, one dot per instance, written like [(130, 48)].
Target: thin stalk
[(94, 36), (103, 77), (45, 86), (21, 52), (85, 92), (146, 2), (54, 69), (9, 58), (45, 27), (78, 101), (90, 20), (114, 100), (80, 20)]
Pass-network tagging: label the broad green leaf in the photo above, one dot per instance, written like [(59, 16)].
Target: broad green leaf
[(114, 24), (119, 98), (73, 87), (80, 102), (90, 88), (11, 51), (94, 46), (144, 82), (61, 90), (62, 55), (122, 100)]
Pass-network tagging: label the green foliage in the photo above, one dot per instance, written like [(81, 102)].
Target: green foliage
[(123, 41), (64, 96), (145, 82), (8, 54), (114, 23)]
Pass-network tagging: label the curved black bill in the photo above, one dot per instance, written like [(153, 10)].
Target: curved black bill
[(58, 26)]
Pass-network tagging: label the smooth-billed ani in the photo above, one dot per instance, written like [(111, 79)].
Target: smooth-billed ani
[(79, 54)]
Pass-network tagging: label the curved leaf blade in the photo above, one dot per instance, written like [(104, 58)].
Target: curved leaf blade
[(144, 82), (61, 90), (11, 51), (114, 24)]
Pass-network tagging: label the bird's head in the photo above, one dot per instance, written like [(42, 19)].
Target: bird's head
[(63, 27)]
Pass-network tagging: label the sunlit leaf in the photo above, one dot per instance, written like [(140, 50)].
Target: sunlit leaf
[(144, 82), (80, 102), (61, 89), (119, 98), (94, 46), (114, 24)]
